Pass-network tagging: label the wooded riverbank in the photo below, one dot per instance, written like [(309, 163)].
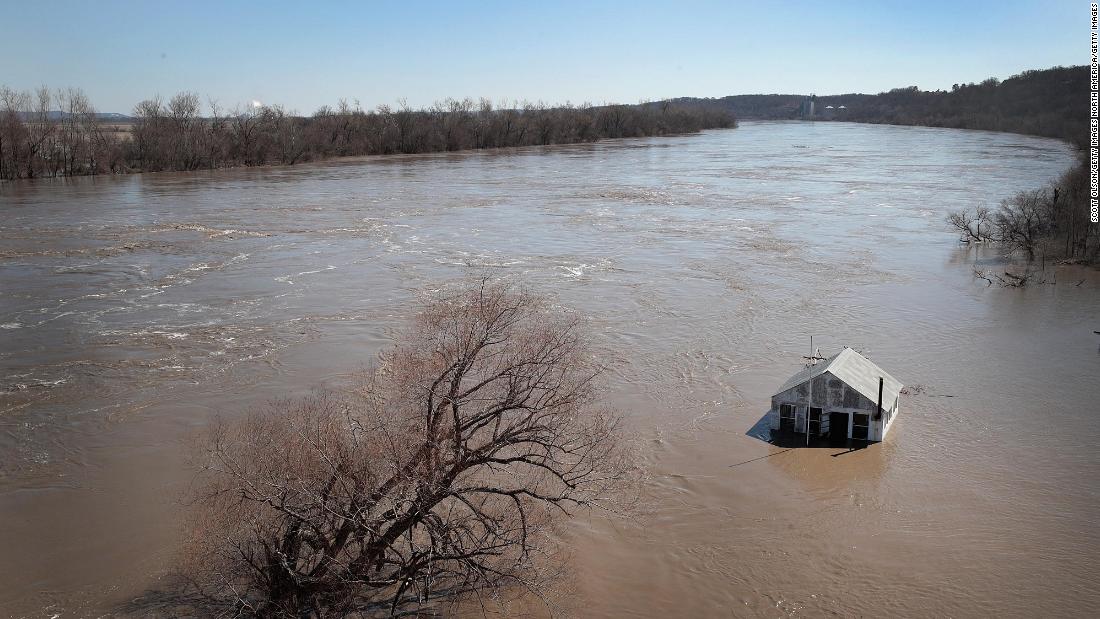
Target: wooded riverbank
[(38, 141)]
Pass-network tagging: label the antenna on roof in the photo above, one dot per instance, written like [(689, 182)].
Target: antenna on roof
[(814, 356)]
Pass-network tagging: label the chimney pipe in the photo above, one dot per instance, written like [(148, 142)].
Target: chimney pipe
[(878, 414)]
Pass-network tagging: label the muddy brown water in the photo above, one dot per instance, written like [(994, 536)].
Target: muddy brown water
[(134, 308)]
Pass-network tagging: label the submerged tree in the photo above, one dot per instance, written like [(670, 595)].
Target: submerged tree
[(1052, 223), (1024, 220), (435, 481), (976, 226)]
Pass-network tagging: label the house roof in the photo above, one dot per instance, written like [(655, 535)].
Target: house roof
[(857, 371)]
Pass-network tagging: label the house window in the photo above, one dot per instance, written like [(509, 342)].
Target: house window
[(860, 425), (786, 417)]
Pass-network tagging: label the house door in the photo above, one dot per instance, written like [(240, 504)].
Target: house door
[(786, 418), (815, 422), (838, 426), (861, 422)]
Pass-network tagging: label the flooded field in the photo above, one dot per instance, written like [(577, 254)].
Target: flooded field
[(132, 309)]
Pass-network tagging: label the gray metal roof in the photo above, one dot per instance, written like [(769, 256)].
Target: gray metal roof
[(854, 369)]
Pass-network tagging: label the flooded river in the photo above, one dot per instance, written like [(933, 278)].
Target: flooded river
[(132, 309)]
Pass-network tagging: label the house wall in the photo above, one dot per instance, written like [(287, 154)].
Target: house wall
[(893, 409), (832, 395)]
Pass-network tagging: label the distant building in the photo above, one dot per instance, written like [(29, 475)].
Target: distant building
[(806, 111), (843, 397)]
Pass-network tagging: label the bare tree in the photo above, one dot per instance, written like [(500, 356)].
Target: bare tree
[(1023, 221), (186, 128), (148, 135), (1024, 278), (41, 130), (13, 132), (248, 141), (970, 223), (437, 480), (215, 135), (285, 130)]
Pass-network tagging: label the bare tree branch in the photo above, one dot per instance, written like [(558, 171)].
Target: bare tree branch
[(436, 480)]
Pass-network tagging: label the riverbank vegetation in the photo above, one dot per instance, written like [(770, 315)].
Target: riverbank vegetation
[(1050, 103), (436, 481), (59, 133), (1047, 224)]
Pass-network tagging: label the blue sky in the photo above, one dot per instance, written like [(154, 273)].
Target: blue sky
[(305, 54)]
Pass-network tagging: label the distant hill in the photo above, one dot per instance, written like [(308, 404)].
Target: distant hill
[(1050, 102), (56, 115)]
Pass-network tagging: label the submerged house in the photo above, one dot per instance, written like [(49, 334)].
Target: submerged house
[(843, 397)]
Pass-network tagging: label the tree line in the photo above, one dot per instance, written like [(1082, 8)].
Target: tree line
[(1050, 102), (49, 133), (1050, 222)]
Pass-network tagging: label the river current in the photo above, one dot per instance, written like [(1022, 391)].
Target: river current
[(133, 309)]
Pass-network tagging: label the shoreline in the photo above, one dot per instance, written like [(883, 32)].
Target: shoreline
[(497, 149), (350, 158)]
